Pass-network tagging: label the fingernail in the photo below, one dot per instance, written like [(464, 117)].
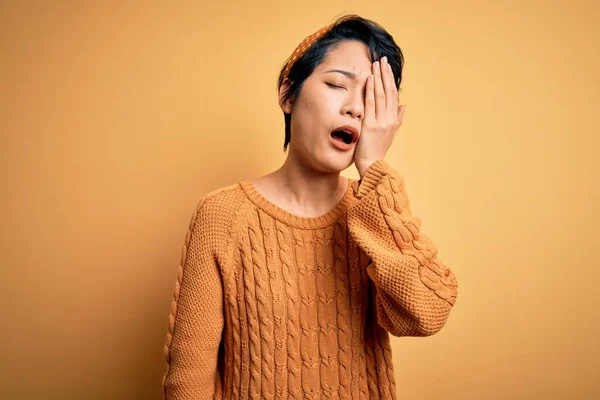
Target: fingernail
[(384, 60)]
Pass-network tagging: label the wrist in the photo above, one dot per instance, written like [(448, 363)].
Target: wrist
[(362, 167)]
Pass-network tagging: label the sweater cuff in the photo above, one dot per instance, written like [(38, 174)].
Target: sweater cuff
[(373, 175)]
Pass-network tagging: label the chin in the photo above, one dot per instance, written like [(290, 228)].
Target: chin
[(337, 162), (328, 160)]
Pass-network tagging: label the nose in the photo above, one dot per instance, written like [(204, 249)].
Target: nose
[(354, 106)]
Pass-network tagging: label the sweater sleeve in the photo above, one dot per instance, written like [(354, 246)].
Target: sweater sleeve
[(196, 319), (414, 290)]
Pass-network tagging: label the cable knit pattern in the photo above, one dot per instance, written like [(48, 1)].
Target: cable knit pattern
[(344, 329), (405, 230), (265, 314), (290, 277), (271, 305), (309, 313), (276, 285), (236, 368), (254, 331), (416, 290)]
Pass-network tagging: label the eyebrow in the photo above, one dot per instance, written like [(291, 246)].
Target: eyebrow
[(349, 74)]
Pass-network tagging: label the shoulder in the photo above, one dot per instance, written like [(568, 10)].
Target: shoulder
[(213, 223), (217, 208), (220, 201)]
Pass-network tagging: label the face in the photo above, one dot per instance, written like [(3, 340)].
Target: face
[(329, 99)]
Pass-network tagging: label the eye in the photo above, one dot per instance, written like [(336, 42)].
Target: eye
[(334, 86)]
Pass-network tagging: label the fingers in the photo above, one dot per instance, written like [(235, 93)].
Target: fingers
[(391, 93), (369, 100), (380, 100)]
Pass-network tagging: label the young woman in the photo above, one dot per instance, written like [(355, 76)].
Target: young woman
[(290, 284)]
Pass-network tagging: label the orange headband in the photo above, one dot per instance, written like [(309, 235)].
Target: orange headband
[(303, 48)]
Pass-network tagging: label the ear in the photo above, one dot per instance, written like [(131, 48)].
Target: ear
[(287, 106)]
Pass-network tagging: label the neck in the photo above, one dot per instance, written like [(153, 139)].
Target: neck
[(312, 191)]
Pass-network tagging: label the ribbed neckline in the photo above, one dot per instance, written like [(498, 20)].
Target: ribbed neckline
[(294, 220)]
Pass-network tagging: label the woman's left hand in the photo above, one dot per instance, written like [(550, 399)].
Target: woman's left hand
[(383, 117)]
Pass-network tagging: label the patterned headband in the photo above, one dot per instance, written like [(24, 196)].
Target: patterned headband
[(303, 48)]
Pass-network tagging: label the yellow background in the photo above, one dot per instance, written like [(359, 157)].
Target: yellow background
[(116, 118)]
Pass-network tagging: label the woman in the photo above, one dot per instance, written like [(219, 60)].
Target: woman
[(291, 284)]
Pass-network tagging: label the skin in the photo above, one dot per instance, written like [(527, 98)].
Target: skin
[(309, 183)]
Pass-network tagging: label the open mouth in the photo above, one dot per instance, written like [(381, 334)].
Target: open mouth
[(343, 136)]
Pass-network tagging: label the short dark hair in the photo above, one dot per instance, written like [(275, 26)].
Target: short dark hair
[(347, 27)]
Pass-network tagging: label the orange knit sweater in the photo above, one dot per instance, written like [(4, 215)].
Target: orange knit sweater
[(271, 305)]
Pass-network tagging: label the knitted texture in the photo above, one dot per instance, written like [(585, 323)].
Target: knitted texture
[(271, 305)]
